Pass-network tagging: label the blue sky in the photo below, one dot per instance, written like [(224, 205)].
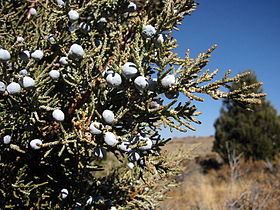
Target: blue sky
[(248, 36)]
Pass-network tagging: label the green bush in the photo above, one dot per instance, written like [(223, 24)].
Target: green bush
[(254, 131)]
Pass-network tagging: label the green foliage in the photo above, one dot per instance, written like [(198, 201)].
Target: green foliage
[(105, 35), (254, 132)]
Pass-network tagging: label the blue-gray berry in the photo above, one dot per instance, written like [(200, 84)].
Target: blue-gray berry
[(131, 7), (24, 55), (148, 144), (52, 38), (168, 81), (73, 15), (160, 40), (141, 83), (172, 95), (96, 128), (58, 115), (37, 55), (27, 82), (133, 156), (110, 139), (130, 165), (124, 146), (114, 80), (13, 88), (84, 27), (23, 72), (102, 20), (7, 139), (63, 60), (54, 74), (2, 86), (60, 2), (101, 23), (20, 39), (76, 51), (148, 31), (129, 70), (64, 193), (99, 152), (4, 55), (108, 116), (152, 84), (106, 72), (32, 11), (97, 42), (35, 144)]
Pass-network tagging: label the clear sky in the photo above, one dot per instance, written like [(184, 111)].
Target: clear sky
[(248, 36)]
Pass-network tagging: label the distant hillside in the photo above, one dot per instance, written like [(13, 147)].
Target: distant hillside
[(203, 144)]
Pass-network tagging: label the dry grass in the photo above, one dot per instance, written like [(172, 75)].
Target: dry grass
[(213, 191), (251, 185)]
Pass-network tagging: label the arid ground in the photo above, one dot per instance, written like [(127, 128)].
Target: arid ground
[(207, 184)]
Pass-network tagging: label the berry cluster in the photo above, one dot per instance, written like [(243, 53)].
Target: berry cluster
[(81, 79)]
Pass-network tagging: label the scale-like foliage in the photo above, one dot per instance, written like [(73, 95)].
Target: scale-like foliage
[(80, 78)]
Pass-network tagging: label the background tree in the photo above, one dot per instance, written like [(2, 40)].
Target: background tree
[(254, 131), (82, 78)]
